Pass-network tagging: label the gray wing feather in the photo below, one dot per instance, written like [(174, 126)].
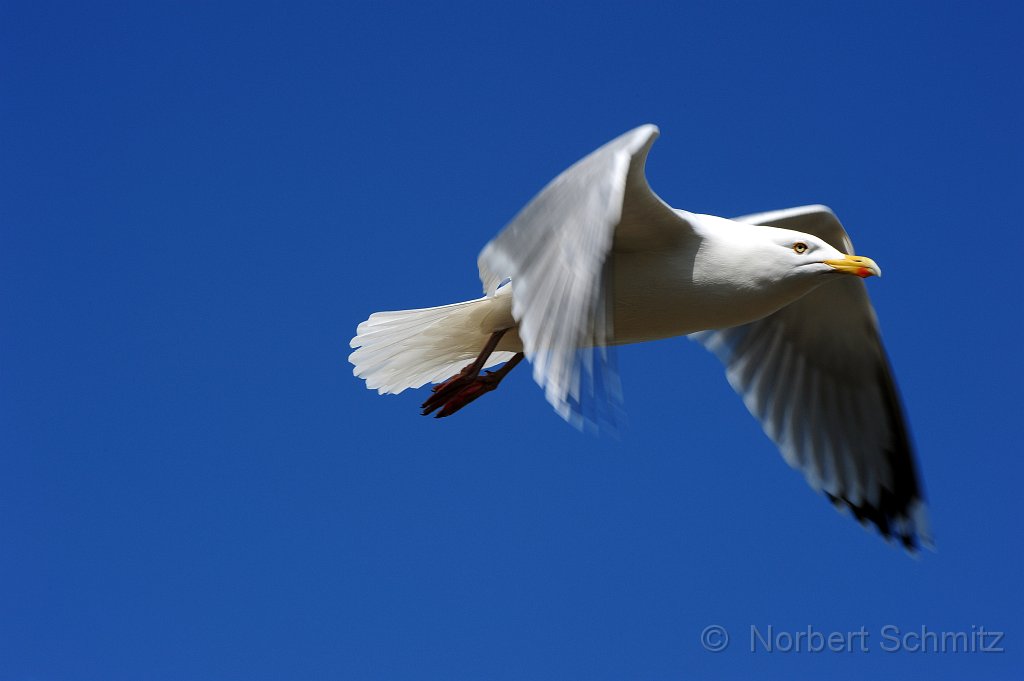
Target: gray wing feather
[(815, 374)]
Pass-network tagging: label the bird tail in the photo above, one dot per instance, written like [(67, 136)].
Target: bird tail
[(408, 348)]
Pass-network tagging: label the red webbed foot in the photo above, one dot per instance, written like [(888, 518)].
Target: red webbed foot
[(465, 391), (468, 384)]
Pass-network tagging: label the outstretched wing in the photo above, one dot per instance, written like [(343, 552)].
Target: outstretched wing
[(555, 251), (816, 375)]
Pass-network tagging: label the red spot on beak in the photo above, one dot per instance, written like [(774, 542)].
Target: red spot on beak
[(863, 272)]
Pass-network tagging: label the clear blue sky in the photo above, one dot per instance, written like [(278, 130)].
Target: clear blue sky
[(198, 205)]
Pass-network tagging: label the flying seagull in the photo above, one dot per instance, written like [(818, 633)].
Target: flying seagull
[(597, 259)]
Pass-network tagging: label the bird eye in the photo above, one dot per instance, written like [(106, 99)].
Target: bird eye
[(800, 247)]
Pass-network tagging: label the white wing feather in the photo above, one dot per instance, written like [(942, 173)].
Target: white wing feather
[(555, 251)]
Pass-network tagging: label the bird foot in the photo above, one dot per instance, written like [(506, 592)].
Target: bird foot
[(442, 391), (458, 391)]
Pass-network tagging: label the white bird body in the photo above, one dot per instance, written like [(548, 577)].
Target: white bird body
[(661, 293), (597, 260), (688, 288)]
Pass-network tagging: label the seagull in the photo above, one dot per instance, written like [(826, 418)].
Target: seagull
[(597, 260)]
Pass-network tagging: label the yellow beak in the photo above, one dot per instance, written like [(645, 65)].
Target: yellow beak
[(856, 264)]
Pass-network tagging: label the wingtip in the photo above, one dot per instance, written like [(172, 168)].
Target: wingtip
[(642, 134), (818, 208), (910, 529)]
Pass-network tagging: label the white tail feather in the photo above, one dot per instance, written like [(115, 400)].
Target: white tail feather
[(408, 348)]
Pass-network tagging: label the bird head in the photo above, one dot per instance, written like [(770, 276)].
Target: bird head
[(807, 254)]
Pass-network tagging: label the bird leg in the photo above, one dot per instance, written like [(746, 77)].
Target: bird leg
[(468, 384)]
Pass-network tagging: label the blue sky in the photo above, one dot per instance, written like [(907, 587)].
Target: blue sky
[(199, 203)]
